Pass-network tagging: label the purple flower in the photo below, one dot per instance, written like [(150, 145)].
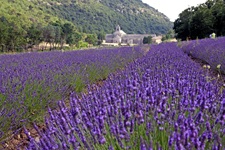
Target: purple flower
[(110, 148), (102, 140)]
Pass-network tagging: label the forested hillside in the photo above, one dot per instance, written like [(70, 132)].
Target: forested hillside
[(102, 15), (24, 23), (201, 21)]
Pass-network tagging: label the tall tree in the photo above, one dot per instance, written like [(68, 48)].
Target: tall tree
[(33, 36), (91, 39), (218, 12), (16, 38), (182, 25), (101, 37), (74, 38), (67, 30), (147, 40), (201, 25), (48, 35), (4, 28), (201, 21)]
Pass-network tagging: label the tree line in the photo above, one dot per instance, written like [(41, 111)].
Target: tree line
[(14, 37), (201, 21)]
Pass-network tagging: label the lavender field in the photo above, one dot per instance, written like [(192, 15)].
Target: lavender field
[(160, 100), (211, 51), (163, 100), (32, 82)]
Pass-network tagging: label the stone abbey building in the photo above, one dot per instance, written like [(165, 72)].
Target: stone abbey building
[(120, 37)]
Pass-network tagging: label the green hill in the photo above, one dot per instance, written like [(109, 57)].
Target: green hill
[(95, 15), (89, 16), (26, 23)]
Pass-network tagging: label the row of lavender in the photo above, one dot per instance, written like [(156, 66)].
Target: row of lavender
[(211, 51), (29, 83), (161, 101)]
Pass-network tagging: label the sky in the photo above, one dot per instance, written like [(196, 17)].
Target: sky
[(172, 8)]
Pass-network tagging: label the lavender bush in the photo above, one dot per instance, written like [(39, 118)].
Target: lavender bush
[(30, 83), (211, 51), (161, 101)]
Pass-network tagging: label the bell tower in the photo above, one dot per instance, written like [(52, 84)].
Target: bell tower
[(117, 28)]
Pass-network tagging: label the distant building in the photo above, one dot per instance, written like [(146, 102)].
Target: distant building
[(120, 37), (157, 39)]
